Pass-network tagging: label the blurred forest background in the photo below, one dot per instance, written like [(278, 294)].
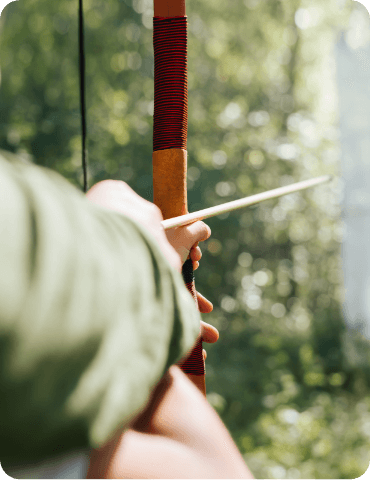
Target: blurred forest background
[(263, 112)]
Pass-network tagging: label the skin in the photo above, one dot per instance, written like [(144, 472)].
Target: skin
[(118, 196), (178, 435)]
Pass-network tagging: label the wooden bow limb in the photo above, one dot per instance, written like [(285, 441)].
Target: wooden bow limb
[(169, 136)]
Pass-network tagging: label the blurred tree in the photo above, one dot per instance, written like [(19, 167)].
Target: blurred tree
[(262, 113)]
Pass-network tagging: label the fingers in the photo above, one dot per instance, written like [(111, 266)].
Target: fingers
[(189, 236), (205, 306), (209, 333), (195, 253), (185, 241), (196, 232)]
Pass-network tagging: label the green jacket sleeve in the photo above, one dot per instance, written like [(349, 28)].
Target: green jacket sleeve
[(91, 316)]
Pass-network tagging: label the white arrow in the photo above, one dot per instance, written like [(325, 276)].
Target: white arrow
[(243, 202)]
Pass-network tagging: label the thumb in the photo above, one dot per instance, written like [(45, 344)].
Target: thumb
[(184, 238), (195, 232)]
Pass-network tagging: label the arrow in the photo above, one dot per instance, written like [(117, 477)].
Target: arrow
[(244, 202)]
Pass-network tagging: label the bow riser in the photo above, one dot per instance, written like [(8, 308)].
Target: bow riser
[(170, 135)]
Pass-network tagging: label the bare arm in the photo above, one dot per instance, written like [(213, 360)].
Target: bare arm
[(178, 436)]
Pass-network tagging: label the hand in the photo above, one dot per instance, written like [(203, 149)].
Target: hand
[(209, 334), (118, 196), (185, 240)]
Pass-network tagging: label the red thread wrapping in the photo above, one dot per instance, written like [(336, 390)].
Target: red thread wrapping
[(170, 83), (194, 364)]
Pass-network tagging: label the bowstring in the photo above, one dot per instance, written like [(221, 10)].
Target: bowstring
[(81, 48)]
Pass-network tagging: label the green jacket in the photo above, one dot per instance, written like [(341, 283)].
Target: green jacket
[(91, 316)]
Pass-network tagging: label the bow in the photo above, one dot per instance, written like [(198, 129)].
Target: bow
[(170, 135)]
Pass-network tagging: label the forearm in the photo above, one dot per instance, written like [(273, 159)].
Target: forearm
[(140, 455), (182, 414), (178, 436)]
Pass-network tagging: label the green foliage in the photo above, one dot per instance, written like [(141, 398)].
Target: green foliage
[(291, 385)]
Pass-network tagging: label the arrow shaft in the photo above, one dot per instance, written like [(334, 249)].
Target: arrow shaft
[(243, 202)]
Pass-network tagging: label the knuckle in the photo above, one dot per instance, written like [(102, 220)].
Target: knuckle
[(155, 211)]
